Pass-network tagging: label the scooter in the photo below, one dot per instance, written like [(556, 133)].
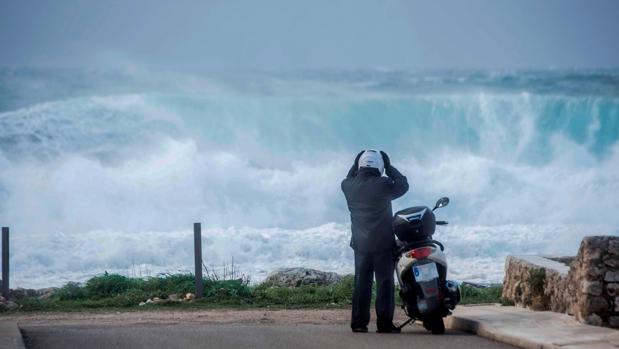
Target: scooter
[(421, 268)]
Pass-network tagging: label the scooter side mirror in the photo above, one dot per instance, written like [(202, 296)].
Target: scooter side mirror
[(442, 202)]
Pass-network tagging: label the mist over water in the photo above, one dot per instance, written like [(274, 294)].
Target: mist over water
[(108, 171)]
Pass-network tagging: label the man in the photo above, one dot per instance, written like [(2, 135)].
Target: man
[(369, 197)]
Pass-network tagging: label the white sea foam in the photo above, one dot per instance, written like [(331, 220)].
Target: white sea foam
[(112, 182), (475, 253)]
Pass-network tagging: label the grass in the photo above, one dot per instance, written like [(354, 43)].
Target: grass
[(113, 292)]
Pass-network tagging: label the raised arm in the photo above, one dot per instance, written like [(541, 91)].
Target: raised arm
[(397, 183), (355, 166)]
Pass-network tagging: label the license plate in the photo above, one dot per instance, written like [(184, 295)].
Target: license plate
[(425, 272)]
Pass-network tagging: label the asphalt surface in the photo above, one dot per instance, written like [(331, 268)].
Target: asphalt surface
[(236, 336)]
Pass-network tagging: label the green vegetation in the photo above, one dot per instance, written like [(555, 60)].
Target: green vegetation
[(117, 291), (477, 295), (110, 291), (337, 295)]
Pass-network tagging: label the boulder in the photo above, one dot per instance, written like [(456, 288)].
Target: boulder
[(593, 320), (21, 293), (158, 300), (612, 289), (46, 293), (596, 305), (190, 296), (612, 276), (6, 304), (295, 277), (593, 288)]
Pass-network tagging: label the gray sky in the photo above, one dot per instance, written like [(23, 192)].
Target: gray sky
[(284, 34)]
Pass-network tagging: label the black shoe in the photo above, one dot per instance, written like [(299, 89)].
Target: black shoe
[(360, 329), (389, 329)]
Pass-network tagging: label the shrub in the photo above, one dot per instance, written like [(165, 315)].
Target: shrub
[(337, 294), (70, 291), (107, 285), (474, 294)]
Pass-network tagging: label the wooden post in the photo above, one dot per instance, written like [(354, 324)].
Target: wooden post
[(197, 251), (5, 262)]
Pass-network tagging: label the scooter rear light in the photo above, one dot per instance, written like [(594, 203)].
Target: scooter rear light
[(419, 253)]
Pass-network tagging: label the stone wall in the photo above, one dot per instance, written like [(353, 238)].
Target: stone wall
[(587, 289), (593, 281), (536, 282)]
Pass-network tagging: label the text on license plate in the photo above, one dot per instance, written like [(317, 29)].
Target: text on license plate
[(425, 272)]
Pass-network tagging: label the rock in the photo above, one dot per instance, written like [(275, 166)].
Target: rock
[(596, 305), (148, 301), (158, 300), (173, 297), (190, 296), (594, 273), (46, 293), (593, 288), (612, 289), (21, 293), (612, 276), (613, 247), (593, 320), (142, 304), (592, 255), (8, 305), (611, 260), (613, 321), (295, 277)]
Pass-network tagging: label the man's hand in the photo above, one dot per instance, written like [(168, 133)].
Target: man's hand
[(355, 167), (358, 157), (386, 160)]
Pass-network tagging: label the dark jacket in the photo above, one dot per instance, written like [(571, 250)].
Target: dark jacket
[(369, 196)]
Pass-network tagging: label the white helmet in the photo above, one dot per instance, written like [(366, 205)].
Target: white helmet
[(372, 158)]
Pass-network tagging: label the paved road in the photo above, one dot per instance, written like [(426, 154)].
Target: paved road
[(236, 336)]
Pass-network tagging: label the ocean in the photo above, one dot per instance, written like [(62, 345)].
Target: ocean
[(108, 170)]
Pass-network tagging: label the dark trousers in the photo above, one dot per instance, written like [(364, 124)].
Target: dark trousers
[(366, 266)]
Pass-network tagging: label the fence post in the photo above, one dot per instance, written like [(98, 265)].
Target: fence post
[(5, 262), (197, 251)]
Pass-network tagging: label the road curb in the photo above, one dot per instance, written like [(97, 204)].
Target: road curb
[(484, 330), (10, 336)]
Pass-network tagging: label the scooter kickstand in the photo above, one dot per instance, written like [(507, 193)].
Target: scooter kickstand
[(406, 323)]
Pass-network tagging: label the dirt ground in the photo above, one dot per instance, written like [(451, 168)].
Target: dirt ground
[(170, 316)]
